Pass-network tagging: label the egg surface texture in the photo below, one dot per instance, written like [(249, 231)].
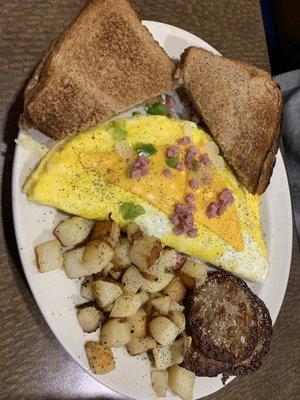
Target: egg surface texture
[(92, 175)]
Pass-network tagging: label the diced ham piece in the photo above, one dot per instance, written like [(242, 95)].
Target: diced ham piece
[(139, 167), (190, 198), (204, 159), (207, 180), (167, 173), (185, 140), (180, 166), (170, 101), (183, 219), (212, 210), (194, 184), (190, 156), (226, 197), (172, 151), (192, 233)]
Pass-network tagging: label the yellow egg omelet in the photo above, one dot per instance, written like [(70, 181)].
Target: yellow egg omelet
[(87, 175)]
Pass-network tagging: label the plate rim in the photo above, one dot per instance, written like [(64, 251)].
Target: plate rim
[(180, 31)]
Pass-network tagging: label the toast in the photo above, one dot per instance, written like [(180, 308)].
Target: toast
[(106, 62), (241, 106)]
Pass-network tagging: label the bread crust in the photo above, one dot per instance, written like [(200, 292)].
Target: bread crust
[(242, 106)]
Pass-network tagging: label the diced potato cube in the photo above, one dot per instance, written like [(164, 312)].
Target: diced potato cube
[(97, 255), (89, 318), (166, 259), (157, 285), (73, 263), (140, 345), (132, 280), (181, 382), (162, 305), (73, 231), (100, 358), (179, 320), (115, 274), (86, 288), (193, 274), (49, 256), (175, 289), (179, 348), (133, 232), (121, 259), (106, 270), (138, 324), (144, 251), (143, 296), (106, 292), (163, 330), (115, 333), (159, 382), (108, 231), (126, 306), (176, 307), (162, 357)]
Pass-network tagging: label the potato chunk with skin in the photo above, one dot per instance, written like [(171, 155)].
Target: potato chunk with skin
[(144, 251), (179, 320), (121, 258), (73, 231), (181, 382), (133, 232), (89, 318), (138, 324), (165, 261), (106, 230), (73, 263), (193, 274), (132, 280), (86, 288), (106, 292), (179, 348), (100, 358), (115, 333), (163, 330), (140, 345), (175, 289), (159, 382), (162, 357), (158, 284), (126, 306), (97, 255), (162, 305), (49, 256)]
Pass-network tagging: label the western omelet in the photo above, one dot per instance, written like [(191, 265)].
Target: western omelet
[(89, 175)]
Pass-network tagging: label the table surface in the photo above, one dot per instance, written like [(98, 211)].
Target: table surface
[(33, 364)]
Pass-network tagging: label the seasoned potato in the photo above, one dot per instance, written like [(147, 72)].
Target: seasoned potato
[(100, 358), (121, 259), (143, 296), (162, 357), (144, 251), (106, 292), (86, 288), (115, 274), (166, 259), (159, 382), (106, 270), (106, 230), (138, 324), (132, 280), (162, 305), (193, 274), (179, 348), (158, 284), (179, 320), (89, 318), (73, 263), (49, 256), (140, 345), (175, 289), (97, 255), (181, 382), (176, 307), (126, 306), (115, 333), (73, 231), (163, 330), (133, 232)]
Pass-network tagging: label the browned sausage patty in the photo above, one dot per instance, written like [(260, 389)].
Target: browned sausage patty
[(230, 326)]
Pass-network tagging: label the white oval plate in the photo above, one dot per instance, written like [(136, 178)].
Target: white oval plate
[(56, 295)]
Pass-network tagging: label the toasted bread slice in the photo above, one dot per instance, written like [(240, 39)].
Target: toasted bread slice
[(241, 105), (105, 62)]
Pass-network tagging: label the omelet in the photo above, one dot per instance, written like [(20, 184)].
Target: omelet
[(90, 175)]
